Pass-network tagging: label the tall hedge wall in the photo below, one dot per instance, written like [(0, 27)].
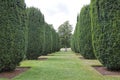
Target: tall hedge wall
[(85, 38), (35, 25), (75, 39), (82, 39), (12, 33), (105, 16), (50, 40), (42, 38)]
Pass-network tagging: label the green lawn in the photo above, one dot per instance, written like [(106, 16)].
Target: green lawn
[(62, 66)]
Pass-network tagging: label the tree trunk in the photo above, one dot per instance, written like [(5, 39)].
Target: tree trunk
[(65, 49)]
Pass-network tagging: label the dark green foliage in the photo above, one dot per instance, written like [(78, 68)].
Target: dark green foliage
[(65, 32), (35, 26), (12, 33), (75, 39), (105, 16), (82, 40), (46, 39), (85, 38), (50, 40), (42, 38)]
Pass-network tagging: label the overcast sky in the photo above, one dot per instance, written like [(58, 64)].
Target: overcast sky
[(58, 11)]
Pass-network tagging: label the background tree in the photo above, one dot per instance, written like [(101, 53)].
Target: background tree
[(65, 33)]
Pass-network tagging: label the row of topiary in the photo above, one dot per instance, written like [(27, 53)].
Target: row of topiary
[(23, 31), (82, 40), (42, 38), (105, 32)]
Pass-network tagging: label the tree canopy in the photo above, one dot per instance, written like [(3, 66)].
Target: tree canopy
[(65, 33)]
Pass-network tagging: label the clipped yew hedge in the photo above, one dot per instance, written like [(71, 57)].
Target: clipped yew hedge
[(50, 40), (82, 39), (42, 38), (12, 33), (75, 38), (35, 25), (85, 38), (105, 16)]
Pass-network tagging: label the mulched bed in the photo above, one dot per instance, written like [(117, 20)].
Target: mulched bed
[(14, 73), (105, 71)]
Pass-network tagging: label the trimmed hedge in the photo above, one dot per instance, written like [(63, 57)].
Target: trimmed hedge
[(75, 40), (82, 39), (35, 25), (42, 38), (12, 33), (105, 16), (51, 41), (84, 33)]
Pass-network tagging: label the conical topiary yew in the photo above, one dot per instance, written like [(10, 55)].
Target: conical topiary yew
[(105, 16), (12, 33)]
